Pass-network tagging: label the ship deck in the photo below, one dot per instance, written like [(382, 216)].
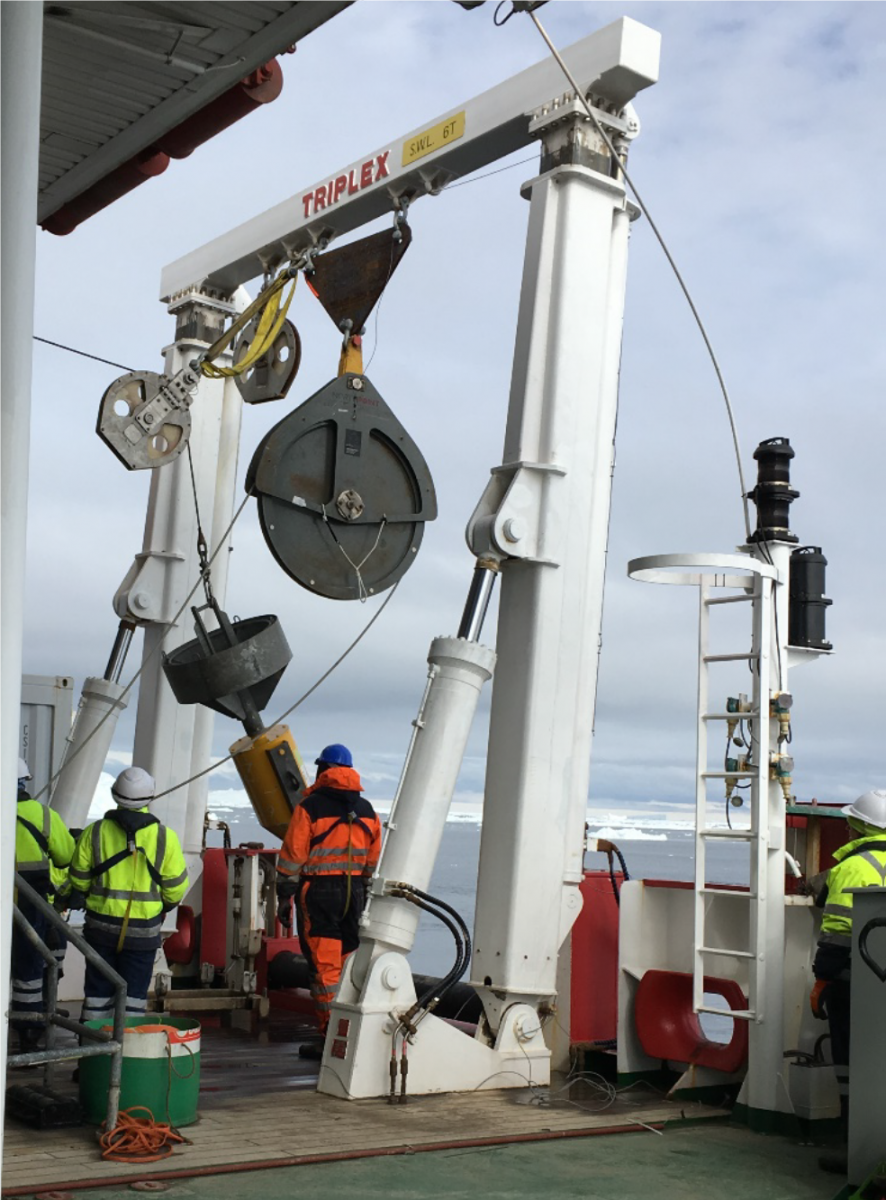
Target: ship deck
[(263, 1130)]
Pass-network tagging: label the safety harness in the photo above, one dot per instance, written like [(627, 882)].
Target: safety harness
[(37, 834), (38, 872), (351, 819)]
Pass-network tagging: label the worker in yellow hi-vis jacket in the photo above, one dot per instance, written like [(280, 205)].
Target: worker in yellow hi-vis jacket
[(42, 845), (132, 871)]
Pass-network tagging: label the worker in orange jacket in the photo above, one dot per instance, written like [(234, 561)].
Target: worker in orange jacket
[(329, 853)]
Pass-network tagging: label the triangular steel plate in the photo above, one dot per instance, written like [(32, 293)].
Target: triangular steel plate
[(349, 281)]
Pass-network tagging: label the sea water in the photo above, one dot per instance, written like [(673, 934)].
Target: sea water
[(654, 849), (657, 848)]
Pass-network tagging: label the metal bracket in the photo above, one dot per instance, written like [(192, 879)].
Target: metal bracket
[(564, 108), (507, 521)]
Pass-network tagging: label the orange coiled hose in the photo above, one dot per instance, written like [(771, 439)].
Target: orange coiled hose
[(138, 1139)]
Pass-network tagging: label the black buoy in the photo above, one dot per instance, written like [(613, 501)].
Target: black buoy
[(773, 494)]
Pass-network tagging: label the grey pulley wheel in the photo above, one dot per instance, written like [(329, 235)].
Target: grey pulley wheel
[(343, 492)]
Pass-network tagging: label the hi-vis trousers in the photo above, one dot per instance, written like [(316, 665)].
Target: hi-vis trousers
[(328, 925)]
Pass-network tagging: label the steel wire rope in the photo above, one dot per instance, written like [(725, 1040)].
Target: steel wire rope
[(214, 766), (378, 309), (449, 187), (683, 287), (82, 353), (170, 625)]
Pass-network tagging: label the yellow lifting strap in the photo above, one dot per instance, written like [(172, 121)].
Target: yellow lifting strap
[(351, 357), (272, 317)]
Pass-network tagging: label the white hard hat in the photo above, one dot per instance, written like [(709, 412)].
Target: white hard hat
[(24, 771), (133, 788), (869, 808)]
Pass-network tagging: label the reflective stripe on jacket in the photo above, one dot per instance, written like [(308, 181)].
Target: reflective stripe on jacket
[(857, 864), (53, 845), (150, 874), (333, 831), (861, 863), (59, 882)]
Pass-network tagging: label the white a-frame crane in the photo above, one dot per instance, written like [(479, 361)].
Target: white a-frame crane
[(541, 525)]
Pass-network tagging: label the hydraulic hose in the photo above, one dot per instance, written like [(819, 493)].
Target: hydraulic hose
[(460, 968), (440, 904), (432, 997), (610, 848), (440, 988)]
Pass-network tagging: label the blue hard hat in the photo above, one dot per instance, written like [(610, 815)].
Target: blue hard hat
[(335, 755)]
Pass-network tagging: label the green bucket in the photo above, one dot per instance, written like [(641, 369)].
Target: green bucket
[(161, 1070)]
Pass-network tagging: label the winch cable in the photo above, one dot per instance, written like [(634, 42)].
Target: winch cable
[(629, 181), (82, 353), (170, 626)]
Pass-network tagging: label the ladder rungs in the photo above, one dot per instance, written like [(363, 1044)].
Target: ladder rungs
[(726, 716), (708, 658), (740, 1014), (726, 953), (721, 891), (741, 835), (729, 599)]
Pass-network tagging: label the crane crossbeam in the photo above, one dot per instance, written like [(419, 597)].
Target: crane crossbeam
[(614, 64)]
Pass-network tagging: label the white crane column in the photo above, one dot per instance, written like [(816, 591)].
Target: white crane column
[(764, 1091), (221, 515), (168, 735), (22, 41), (558, 457)]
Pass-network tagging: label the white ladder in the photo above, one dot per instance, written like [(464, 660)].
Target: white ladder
[(757, 590)]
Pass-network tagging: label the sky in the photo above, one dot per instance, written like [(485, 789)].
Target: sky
[(761, 159)]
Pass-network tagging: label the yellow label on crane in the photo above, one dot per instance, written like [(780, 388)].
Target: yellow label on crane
[(433, 139)]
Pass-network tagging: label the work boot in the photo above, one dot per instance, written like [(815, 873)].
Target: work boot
[(312, 1050)]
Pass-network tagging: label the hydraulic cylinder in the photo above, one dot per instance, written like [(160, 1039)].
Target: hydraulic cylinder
[(90, 741), (458, 671)]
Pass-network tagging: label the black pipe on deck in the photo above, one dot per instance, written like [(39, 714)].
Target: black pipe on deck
[(461, 1002)]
